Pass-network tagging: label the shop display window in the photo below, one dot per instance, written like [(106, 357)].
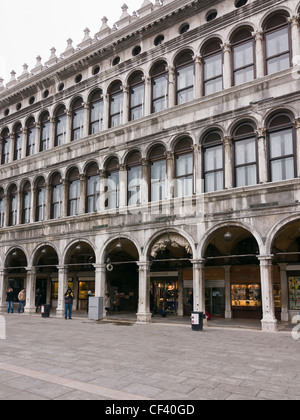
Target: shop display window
[(277, 295), (246, 295), (54, 289), (294, 292), (84, 287)]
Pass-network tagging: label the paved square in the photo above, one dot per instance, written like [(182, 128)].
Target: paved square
[(79, 359)]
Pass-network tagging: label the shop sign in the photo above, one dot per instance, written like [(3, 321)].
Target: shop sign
[(164, 274)]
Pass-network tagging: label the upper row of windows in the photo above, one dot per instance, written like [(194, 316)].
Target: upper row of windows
[(114, 109)]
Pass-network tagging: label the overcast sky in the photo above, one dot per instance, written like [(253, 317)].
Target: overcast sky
[(32, 27)]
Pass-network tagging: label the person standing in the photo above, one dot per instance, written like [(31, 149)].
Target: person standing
[(10, 300), (69, 298), (107, 302), (22, 300), (116, 302)]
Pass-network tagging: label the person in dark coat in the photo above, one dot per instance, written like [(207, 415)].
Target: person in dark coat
[(69, 298), (10, 300)]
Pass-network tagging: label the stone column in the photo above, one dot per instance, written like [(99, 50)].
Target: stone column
[(24, 142), (262, 156), (86, 122), (145, 182), (124, 117), (144, 315), (30, 287), (198, 77), (82, 200), (259, 54), (123, 186), (68, 113), (297, 129), (198, 169), (147, 96), (228, 162), (199, 285), (172, 86), (105, 112), (52, 132), (295, 35), (227, 72), (228, 307), (3, 289), (170, 175), (62, 288), (269, 322), (284, 292), (12, 147), (100, 282)]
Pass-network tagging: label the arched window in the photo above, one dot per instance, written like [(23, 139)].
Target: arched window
[(45, 132), (213, 68), (77, 120), (184, 168), (2, 207), (112, 189), (245, 155), (40, 214), (243, 57), (116, 105), (281, 147), (158, 170), (18, 134), (185, 77), (134, 179), (213, 162), (13, 205), (73, 192), (31, 133), (277, 44), (5, 137), (137, 96), (92, 188), (160, 83), (61, 126), (96, 112), (56, 196), (26, 203)]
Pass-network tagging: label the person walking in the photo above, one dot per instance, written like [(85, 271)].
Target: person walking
[(69, 298), (22, 300), (10, 300), (107, 303), (116, 302)]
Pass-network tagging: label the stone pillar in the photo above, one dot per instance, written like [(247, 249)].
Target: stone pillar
[(105, 112), (295, 35), (62, 288), (199, 285), (124, 117), (198, 169), (145, 183), (82, 201), (198, 77), (170, 175), (24, 142), (144, 315), (269, 322), (68, 113), (100, 282), (3, 289), (30, 288), (227, 72), (284, 292), (147, 97), (86, 122), (11, 147), (228, 162), (297, 129), (259, 54), (262, 156), (228, 307), (172, 86), (123, 186), (52, 132)]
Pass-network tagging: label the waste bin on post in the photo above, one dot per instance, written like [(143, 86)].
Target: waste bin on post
[(45, 311), (197, 321)]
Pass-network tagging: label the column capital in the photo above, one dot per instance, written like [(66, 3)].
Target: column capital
[(260, 133), (265, 259)]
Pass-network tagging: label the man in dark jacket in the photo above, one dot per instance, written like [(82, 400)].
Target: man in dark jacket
[(69, 298), (10, 300)]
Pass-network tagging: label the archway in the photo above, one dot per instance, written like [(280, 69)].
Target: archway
[(232, 274), (15, 266), (121, 257), (171, 276)]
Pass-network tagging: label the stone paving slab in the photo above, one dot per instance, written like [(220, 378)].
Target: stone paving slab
[(55, 359)]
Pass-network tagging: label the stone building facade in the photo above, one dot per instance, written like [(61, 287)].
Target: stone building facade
[(159, 158)]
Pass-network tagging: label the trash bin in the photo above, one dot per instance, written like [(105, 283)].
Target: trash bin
[(197, 321), (45, 311)]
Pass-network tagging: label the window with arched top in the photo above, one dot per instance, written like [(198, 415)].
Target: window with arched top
[(116, 105), (31, 136), (243, 56), (40, 211), (137, 96), (61, 126), (245, 155), (5, 139), (77, 120), (18, 140), (2, 207), (13, 205), (277, 43), (112, 187), (45, 132), (56, 196), (213, 67), (185, 77), (158, 171), (134, 178), (160, 85), (96, 112), (184, 168), (213, 162), (281, 147), (92, 188), (26, 203), (73, 192)]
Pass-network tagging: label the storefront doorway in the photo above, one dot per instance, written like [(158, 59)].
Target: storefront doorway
[(164, 295), (215, 301)]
